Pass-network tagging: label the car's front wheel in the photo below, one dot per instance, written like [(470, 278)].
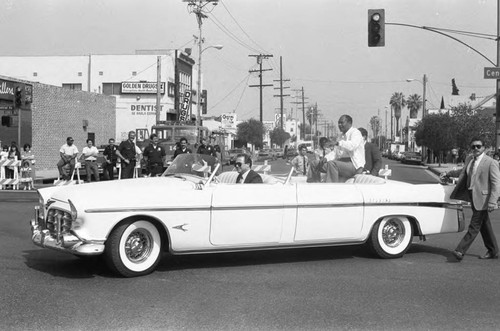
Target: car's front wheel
[(133, 248), (391, 237)]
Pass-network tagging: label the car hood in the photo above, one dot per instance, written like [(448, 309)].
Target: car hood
[(127, 192)]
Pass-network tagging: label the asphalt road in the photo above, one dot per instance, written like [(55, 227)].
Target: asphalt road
[(338, 288)]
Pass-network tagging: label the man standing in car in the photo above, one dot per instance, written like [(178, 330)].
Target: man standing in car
[(154, 155), (127, 152), (110, 157), (373, 159)]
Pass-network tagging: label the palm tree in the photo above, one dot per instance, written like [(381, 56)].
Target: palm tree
[(414, 103), (397, 102)]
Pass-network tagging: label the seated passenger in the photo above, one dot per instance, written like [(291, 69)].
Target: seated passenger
[(246, 175)]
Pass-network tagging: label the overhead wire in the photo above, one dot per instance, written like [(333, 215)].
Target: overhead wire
[(230, 92)]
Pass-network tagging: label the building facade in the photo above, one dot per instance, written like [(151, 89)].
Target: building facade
[(132, 79)]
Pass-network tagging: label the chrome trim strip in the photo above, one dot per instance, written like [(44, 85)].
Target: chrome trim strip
[(302, 205)]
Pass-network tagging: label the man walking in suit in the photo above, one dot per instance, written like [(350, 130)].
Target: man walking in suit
[(246, 175), (373, 159), (479, 183)]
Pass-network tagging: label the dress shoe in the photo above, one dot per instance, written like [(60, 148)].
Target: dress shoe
[(458, 255), (489, 255)]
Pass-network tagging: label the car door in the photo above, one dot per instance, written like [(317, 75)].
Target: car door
[(250, 214), (328, 212)]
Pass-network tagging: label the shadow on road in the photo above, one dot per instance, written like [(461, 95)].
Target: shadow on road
[(177, 262), (65, 265)]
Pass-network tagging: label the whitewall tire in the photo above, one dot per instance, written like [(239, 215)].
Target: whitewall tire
[(391, 237)]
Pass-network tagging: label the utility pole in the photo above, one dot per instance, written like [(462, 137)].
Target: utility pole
[(281, 95), (497, 133), (259, 62), (303, 131), (158, 88)]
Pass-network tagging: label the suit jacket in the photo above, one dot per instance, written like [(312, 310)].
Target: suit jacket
[(251, 178), (373, 159), (486, 186)]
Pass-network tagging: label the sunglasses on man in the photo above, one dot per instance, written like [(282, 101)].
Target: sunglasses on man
[(476, 146), (238, 164)]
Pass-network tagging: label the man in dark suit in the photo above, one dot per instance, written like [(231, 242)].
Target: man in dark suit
[(373, 158), (246, 175), (479, 183)]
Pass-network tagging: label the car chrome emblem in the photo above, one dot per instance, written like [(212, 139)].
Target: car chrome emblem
[(181, 227)]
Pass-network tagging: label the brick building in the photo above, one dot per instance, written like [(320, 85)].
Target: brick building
[(54, 114)]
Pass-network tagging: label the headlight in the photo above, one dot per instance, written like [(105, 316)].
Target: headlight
[(41, 207)]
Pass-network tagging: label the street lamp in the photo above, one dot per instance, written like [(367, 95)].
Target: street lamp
[(198, 105)]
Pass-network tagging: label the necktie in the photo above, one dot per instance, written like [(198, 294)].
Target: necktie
[(471, 170), (305, 170), (239, 178), (324, 153)]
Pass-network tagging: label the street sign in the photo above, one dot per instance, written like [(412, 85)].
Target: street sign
[(491, 73)]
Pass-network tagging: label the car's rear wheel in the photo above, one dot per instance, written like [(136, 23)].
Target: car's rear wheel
[(391, 237), (133, 248)]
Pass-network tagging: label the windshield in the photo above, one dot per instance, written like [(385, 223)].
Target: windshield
[(192, 164)]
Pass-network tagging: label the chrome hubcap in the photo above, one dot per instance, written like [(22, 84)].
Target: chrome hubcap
[(138, 245), (393, 233)]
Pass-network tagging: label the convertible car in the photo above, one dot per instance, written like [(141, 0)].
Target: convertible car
[(193, 208)]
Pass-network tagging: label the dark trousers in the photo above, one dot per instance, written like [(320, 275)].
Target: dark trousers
[(109, 170), (60, 166), (155, 169), (128, 169), (479, 223)]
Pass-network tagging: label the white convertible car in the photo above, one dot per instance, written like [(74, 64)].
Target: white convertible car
[(193, 209)]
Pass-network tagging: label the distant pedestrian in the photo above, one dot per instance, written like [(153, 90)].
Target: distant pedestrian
[(205, 148), (14, 155), (28, 155), (182, 148), (126, 152), (110, 159), (154, 155), (89, 154), (479, 183), (68, 153)]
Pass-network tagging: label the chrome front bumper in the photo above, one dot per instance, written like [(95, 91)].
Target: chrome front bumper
[(63, 242)]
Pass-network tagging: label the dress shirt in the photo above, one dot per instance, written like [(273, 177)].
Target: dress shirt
[(471, 173), (91, 153), (352, 146)]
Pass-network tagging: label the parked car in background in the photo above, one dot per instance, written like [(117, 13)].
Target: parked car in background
[(396, 155), (411, 157), (266, 154), (233, 153), (279, 152)]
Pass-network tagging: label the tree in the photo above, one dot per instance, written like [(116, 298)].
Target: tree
[(414, 103), (397, 102), (470, 123), (251, 131), (376, 125), (279, 136), (437, 132)]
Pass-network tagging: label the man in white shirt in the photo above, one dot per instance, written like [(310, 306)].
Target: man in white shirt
[(89, 153), (348, 158), (68, 153)]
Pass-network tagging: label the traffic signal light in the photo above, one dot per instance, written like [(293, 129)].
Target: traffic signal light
[(19, 97), (376, 27)]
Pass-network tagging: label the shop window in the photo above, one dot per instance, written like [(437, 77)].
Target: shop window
[(101, 73), (111, 88), (35, 74), (80, 74), (74, 87)]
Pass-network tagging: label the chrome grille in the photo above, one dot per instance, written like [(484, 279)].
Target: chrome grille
[(58, 221)]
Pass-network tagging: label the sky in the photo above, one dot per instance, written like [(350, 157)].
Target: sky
[(323, 45)]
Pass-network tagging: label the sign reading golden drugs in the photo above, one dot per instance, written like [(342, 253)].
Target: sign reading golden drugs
[(141, 87)]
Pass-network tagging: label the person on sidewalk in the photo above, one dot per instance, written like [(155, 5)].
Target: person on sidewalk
[(127, 153), (68, 153), (300, 163), (479, 183), (89, 154)]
